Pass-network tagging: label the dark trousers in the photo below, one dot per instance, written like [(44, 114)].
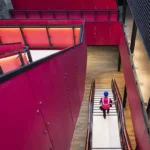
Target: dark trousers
[(104, 111)]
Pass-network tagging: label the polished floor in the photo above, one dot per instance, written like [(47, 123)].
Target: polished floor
[(101, 65)]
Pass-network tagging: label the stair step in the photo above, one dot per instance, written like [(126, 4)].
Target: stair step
[(96, 97), (103, 89), (97, 106), (98, 110), (106, 115)]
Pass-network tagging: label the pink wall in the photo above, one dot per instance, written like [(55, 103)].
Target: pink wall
[(102, 33), (142, 139), (52, 87), (88, 15), (65, 4)]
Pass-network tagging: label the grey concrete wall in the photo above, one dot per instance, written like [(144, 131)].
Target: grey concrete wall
[(5, 5)]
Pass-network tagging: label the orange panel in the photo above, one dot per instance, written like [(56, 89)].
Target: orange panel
[(12, 63), (77, 34), (36, 36), (10, 35), (61, 36)]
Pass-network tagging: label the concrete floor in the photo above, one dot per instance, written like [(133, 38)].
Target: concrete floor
[(140, 58)]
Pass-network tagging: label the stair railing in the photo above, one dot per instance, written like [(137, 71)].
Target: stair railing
[(125, 141), (88, 144)]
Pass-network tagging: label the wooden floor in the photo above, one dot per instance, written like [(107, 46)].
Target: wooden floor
[(102, 65)]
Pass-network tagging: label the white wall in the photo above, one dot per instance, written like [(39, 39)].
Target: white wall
[(38, 54)]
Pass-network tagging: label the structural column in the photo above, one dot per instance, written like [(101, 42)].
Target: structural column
[(133, 37), (119, 62), (124, 11), (1, 70), (124, 97), (26, 49), (148, 109)]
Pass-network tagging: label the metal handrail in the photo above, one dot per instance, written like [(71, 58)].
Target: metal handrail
[(125, 141), (89, 131)]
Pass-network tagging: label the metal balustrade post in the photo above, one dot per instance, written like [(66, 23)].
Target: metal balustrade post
[(133, 37), (119, 62), (27, 51), (124, 98), (124, 11), (21, 59), (148, 109), (1, 71)]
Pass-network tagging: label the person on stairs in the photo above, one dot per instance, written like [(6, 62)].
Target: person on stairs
[(106, 103)]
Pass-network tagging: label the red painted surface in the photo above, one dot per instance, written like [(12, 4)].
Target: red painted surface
[(36, 36), (63, 36), (102, 33), (14, 22), (11, 47), (65, 4), (115, 30), (20, 125), (44, 87), (90, 33), (31, 15), (88, 15), (9, 35), (102, 16), (142, 139)]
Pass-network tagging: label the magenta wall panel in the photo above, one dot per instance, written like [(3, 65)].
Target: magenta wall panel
[(20, 125), (19, 15), (115, 29), (112, 4), (75, 14), (102, 33), (81, 69), (55, 107), (90, 32), (46, 15), (33, 15), (65, 4), (60, 15), (72, 87), (102, 16), (88, 16), (113, 16), (101, 4), (44, 88), (87, 4), (142, 139)]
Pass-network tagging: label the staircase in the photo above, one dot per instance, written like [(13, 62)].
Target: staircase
[(105, 131)]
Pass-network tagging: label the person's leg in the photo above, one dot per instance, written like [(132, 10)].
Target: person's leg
[(104, 113), (101, 108), (107, 111)]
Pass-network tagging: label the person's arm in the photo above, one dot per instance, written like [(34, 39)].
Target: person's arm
[(100, 102), (115, 101)]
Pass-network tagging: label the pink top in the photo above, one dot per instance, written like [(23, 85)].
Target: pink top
[(105, 102)]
